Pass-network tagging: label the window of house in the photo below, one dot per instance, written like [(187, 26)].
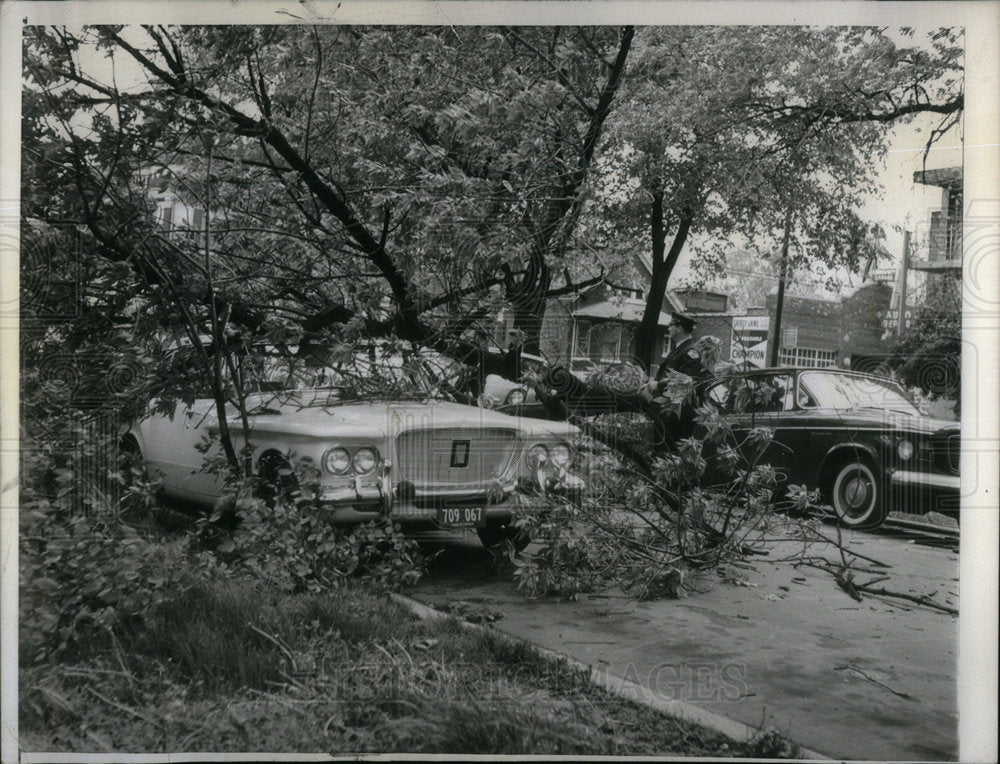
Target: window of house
[(604, 341), (166, 214), (581, 348)]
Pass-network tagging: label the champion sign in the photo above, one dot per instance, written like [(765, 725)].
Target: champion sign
[(749, 344)]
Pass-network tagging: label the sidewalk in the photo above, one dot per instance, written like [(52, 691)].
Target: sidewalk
[(784, 648)]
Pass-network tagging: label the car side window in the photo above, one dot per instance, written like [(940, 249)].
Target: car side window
[(719, 395), (804, 398), (786, 384), (770, 394)]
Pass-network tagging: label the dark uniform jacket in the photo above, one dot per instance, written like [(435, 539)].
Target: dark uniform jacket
[(685, 359)]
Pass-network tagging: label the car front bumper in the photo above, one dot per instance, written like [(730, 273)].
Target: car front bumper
[(410, 514), (922, 492)]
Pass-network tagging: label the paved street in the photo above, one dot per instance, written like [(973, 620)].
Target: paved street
[(784, 647)]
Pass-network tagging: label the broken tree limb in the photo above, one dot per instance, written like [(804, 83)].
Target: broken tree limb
[(849, 551), (873, 680), (846, 582), (919, 598)]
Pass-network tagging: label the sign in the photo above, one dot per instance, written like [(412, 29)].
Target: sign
[(706, 302), (790, 337), (884, 275), (890, 318), (749, 343)]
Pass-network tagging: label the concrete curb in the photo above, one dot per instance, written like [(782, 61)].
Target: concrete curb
[(616, 685)]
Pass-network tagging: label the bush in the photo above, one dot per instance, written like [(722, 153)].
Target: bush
[(648, 522), (294, 547), (82, 580)]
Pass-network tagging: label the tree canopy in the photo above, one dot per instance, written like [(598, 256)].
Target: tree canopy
[(391, 182), (406, 183), (737, 134)]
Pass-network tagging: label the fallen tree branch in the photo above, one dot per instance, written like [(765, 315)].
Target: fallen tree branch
[(839, 545), (919, 598), (846, 582), (871, 679)]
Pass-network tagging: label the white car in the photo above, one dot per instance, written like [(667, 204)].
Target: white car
[(429, 464)]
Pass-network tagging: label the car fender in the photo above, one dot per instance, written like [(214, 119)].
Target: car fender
[(841, 449), (135, 432)]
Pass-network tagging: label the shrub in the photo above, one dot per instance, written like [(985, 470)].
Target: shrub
[(651, 519), (81, 580), (293, 546)]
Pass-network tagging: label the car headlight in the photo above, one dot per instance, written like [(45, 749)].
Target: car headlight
[(337, 461), (537, 456), (515, 397), (904, 449), (561, 454), (365, 460)]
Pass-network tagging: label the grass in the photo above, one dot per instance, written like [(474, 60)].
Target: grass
[(226, 668)]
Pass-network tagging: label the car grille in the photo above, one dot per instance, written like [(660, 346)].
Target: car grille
[(947, 450), (954, 452), (433, 458)]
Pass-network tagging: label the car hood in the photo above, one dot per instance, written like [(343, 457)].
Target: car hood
[(311, 415), (867, 417)]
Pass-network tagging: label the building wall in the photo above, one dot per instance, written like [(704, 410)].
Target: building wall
[(557, 331), (861, 320), (714, 326), (817, 321), (840, 328)]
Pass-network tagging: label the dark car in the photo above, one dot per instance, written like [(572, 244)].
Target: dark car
[(859, 438)]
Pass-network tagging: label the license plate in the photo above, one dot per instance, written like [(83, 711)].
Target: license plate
[(461, 517)]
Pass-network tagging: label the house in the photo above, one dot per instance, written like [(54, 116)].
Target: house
[(944, 235), (596, 325)]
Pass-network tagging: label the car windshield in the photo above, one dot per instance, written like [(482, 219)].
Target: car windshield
[(375, 373), (846, 391)]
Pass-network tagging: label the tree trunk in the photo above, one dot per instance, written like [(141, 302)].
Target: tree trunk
[(663, 266), (529, 306), (560, 217)]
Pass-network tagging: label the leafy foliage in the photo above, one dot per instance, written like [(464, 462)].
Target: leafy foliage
[(294, 547), (929, 355), (646, 524), (727, 136)]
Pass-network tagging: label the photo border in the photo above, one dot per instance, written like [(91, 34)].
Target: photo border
[(977, 673)]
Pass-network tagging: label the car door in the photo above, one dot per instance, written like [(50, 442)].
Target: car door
[(766, 400)]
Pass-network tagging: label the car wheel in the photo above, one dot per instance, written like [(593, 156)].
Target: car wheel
[(857, 496), (275, 479), (494, 537), (129, 451)]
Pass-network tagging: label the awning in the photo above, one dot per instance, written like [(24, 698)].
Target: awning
[(628, 312)]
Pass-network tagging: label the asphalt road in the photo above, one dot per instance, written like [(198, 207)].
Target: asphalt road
[(774, 646)]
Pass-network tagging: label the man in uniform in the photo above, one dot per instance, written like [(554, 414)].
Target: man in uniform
[(684, 358)]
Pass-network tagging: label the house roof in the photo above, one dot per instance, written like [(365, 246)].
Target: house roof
[(629, 311), (946, 177)]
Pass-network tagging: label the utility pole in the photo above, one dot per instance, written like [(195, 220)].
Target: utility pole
[(902, 284), (776, 345)]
